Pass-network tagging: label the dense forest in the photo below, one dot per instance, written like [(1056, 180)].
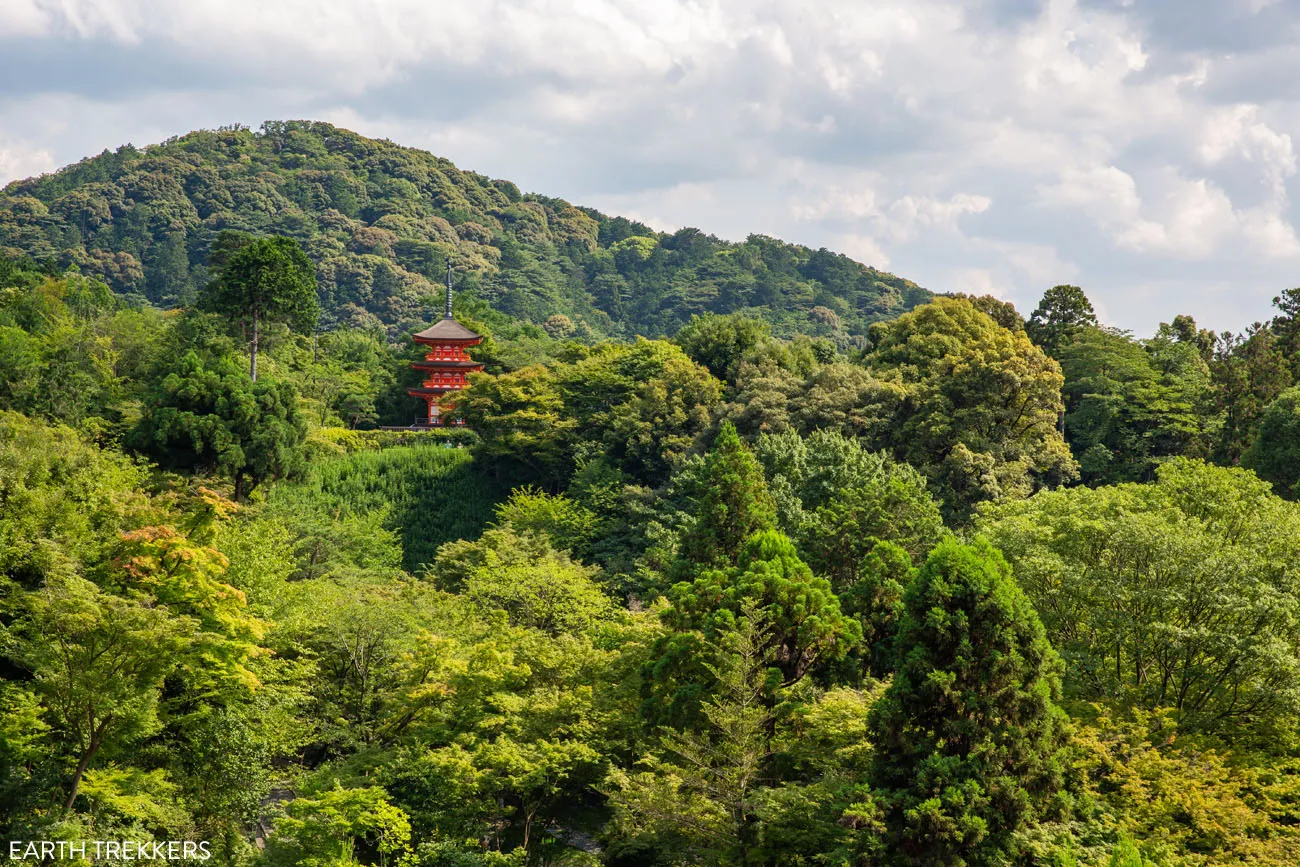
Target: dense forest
[(381, 221), (696, 584)]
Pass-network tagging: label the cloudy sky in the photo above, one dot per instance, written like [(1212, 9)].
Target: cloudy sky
[(1142, 149)]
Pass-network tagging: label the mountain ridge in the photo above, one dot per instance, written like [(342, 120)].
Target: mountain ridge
[(381, 219)]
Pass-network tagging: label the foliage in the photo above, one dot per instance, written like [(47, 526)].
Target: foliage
[(730, 502), (701, 794), (259, 281), (835, 396), (216, 419), (1180, 594), (568, 524), (804, 628), (63, 501), (641, 405), (980, 416), (968, 736), (327, 830), (337, 440), (1248, 372), (381, 221), (535, 586), (1123, 413), (524, 430), (1275, 454), (721, 343), (68, 346), (98, 661), (1060, 315), (840, 500), (1177, 801), (425, 494)]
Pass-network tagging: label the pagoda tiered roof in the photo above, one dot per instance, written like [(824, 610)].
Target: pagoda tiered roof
[(446, 365), (446, 329)]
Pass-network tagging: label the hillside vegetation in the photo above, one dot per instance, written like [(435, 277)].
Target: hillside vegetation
[(381, 221), (986, 591)]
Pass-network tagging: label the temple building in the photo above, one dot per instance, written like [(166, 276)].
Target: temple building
[(446, 366)]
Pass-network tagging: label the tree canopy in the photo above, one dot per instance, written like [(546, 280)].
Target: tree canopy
[(259, 281), (381, 221), (981, 407)]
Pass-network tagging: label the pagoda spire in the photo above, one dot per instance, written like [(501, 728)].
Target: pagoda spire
[(448, 313)]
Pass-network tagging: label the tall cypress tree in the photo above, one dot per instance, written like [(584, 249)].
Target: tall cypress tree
[(968, 736), (732, 503)]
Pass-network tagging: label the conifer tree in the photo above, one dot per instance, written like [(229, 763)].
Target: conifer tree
[(732, 503), (262, 280), (1062, 313), (968, 735)]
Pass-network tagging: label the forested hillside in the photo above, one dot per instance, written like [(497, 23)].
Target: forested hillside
[(381, 221), (983, 591)]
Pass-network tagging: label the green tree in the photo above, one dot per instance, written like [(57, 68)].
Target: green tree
[(1180, 800), (216, 418), (1275, 454), (568, 524), (264, 280), (98, 661), (187, 579), (535, 585), (1123, 413), (804, 625), (380, 220), (1286, 326), (982, 406), (729, 502), (699, 792), (838, 500), (1061, 312), (1002, 312), (1185, 331), (1248, 373), (65, 500), (1180, 594), (644, 405), (968, 736), (524, 431), (720, 343), (330, 829)]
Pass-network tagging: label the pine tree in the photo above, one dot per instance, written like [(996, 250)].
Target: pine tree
[(263, 280), (1061, 313), (968, 735)]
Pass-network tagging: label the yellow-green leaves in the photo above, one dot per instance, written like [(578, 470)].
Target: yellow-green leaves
[(1181, 594)]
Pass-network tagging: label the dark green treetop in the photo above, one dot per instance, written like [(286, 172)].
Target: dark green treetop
[(262, 280), (968, 736), (1062, 311)]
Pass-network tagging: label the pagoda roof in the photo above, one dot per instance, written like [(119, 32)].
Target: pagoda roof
[(447, 329), (447, 365)]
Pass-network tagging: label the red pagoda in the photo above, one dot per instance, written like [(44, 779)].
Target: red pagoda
[(446, 366)]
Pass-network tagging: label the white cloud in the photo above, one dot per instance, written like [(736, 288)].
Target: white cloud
[(22, 18), (18, 161), (1190, 218), (973, 143), (864, 249), (977, 281), (909, 216), (898, 221)]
